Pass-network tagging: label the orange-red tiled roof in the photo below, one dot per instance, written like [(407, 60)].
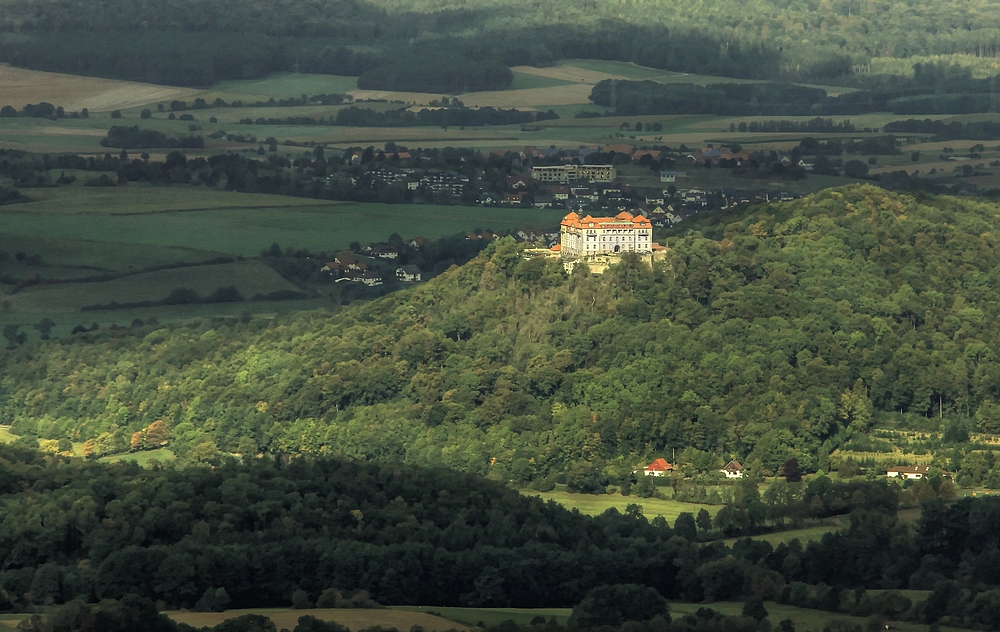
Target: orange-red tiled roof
[(573, 220), (659, 465)]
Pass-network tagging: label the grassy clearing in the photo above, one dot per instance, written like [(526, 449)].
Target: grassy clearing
[(6, 436), (284, 85), (353, 619), (491, 616), (803, 535), (524, 81), (142, 458), (594, 505)]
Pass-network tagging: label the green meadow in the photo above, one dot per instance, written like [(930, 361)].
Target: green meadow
[(142, 458), (240, 224), (594, 505)]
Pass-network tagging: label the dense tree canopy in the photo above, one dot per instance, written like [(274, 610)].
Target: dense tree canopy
[(779, 333)]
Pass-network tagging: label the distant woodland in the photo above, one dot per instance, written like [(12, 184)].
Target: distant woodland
[(446, 46), (253, 533), (785, 332)]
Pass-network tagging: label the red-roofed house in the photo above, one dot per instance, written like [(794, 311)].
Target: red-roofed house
[(659, 467)]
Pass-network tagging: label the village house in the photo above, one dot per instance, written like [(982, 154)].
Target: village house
[(733, 469), (671, 176), (513, 199), (367, 277), (408, 273), (659, 467), (559, 192), (384, 251), (911, 472), (517, 183)]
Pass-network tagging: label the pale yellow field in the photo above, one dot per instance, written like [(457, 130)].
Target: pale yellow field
[(574, 94), (353, 619), (19, 87)]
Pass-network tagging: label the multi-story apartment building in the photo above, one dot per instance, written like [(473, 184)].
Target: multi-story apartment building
[(564, 174)]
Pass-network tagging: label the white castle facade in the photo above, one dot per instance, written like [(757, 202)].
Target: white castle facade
[(583, 237)]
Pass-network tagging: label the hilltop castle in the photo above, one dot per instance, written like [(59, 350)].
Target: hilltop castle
[(589, 237)]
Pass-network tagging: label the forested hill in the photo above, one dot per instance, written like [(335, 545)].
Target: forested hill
[(455, 45), (773, 334)]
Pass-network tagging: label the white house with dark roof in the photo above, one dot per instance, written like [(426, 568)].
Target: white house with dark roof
[(733, 469), (911, 472)]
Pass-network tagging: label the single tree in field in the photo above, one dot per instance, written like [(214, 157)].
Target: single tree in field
[(791, 470)]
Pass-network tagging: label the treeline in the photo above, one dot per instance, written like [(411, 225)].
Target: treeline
[(12, 196), (407, 535), (650, 97), (951, 130), (939, 94), (438, 71), (443, 117), (41, 110), (123, 137), (317, 99), (818, 124)]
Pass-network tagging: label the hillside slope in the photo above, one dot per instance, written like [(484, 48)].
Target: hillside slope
[(771, 335)]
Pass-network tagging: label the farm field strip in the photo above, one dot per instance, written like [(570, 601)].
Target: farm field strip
[(491, 616), (320, 227), (248, 277), (135, 200), (594, 505), (353, 619), (804, 618), (19, 87)]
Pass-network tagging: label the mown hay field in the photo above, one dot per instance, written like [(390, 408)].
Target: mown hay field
[(248, 277), (19, 87), (354, 619)]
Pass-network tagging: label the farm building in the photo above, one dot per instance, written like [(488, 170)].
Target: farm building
[(908, 471), (733, 469), (659, 467)]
